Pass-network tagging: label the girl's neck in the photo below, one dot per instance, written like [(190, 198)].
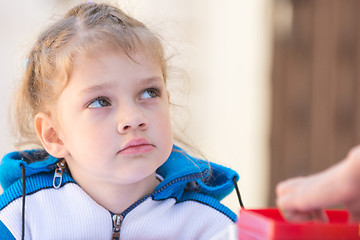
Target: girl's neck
[(116, 197)]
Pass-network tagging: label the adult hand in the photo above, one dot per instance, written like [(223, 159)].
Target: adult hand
[(302, 198)]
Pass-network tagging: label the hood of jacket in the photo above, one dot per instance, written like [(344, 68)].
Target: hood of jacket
[(181, 171)]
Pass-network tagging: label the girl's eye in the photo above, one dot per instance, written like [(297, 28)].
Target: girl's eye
[(99, 102), (150, 93)]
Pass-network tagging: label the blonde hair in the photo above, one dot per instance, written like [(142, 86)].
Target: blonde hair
[(83, 29)]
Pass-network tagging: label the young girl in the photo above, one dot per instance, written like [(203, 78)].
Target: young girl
[(94, 95)]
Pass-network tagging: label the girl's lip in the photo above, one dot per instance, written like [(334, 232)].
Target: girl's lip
[(137, 146)]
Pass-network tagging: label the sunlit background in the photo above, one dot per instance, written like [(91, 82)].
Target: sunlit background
[(223, 46)]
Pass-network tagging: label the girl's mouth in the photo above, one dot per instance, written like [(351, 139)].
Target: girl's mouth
[(137, 146)]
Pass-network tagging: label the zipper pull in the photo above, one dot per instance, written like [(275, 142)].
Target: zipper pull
[(59, 174), (117, 225)]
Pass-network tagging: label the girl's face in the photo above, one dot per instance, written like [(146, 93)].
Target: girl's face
[(114, 119)]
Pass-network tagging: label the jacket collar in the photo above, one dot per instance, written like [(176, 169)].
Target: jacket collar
[(10, 169), (184, 172)]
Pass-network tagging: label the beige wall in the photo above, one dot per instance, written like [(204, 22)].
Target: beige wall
[(224, 47)]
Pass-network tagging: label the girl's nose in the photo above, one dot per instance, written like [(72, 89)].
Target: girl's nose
[(132, 119)]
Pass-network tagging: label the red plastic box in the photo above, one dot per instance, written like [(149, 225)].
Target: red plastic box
[(256, 224)]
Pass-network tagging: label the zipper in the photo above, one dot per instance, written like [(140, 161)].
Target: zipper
[(185, 178), (58, 175), (117, 221), (176, 180)]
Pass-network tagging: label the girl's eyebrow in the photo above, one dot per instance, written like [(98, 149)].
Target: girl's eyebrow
[(151, 80), (99, 87), (94, 88)]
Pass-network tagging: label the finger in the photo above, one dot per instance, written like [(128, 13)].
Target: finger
[(301, 216), (288, 185)]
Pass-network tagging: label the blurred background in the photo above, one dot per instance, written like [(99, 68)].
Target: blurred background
[(268, 87)]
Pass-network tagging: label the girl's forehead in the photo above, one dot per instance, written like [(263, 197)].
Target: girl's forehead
[(110, 62), (92, 53), (96, 52)]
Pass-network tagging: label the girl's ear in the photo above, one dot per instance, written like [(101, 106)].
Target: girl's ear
[(48, 136)]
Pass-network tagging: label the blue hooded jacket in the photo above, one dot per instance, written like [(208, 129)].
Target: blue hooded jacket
[(184, 179)]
